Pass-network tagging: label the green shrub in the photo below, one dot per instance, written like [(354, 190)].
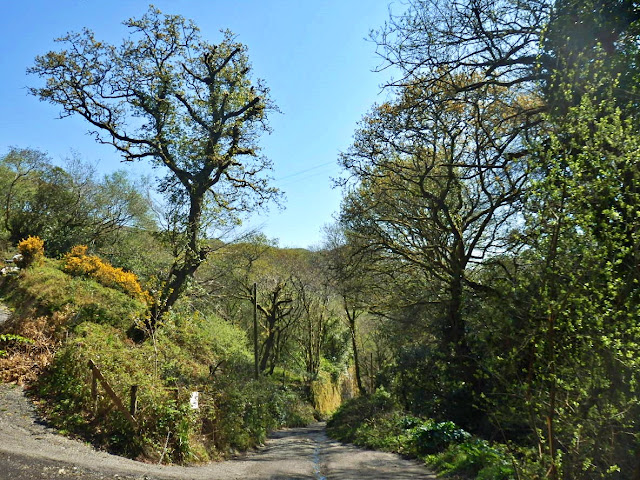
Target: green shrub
[(430, 437), (351, 415), (66, 386), (475, 459), (377, 422), (206, 340), (46, 290), (297, 412), (248, 410)]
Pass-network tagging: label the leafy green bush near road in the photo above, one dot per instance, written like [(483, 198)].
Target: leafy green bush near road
[(474, 458), (354, 417), (376, 421)]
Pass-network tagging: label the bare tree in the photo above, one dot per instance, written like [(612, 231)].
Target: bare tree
[(492, 42)]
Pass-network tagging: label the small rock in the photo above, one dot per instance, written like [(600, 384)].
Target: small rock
[(9, 270)]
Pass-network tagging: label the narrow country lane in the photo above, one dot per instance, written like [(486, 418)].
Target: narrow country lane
[(31, 451)]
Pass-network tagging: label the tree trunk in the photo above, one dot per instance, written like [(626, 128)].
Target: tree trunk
[(461, 365), (268, 343), (454, 332), (351, 316), (182, 271)]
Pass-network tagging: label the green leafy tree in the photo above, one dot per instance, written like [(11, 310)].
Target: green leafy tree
[(584, 39), (67, 207), (585, 229), (19, 169), (166, 95), (438, 182), (576, 61)]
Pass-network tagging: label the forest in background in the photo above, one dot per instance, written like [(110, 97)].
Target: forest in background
[(478, 292)]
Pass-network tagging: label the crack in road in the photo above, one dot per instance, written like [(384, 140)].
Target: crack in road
[(317, 467)]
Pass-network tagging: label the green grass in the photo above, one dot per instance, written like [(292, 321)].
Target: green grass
[(45, 290)]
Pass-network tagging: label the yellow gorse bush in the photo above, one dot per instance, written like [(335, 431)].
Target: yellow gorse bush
[(78, 263), (32, 251)]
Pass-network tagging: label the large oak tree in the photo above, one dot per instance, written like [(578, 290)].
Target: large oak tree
[(168, 96)]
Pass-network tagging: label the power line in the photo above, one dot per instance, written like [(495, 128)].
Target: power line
[(299, 179), (300, 172)]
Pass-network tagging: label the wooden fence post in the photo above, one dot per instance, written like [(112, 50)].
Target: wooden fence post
[(114, 398), (133, 400), (256, 372), (94, 389)]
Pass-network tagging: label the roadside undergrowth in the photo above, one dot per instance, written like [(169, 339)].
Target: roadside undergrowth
[(376, 421), (60, 321)]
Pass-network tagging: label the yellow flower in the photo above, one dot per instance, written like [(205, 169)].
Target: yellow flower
[(32, 250), (78, 263)]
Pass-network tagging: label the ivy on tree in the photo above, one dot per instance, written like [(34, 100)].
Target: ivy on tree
[(166, 95)]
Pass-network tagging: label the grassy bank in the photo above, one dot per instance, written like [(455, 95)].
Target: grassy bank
[(68, 320)]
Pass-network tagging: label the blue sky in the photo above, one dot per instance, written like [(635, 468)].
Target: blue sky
[(314, 56)]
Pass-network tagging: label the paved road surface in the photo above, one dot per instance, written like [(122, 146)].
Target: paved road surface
[(31, 451)]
